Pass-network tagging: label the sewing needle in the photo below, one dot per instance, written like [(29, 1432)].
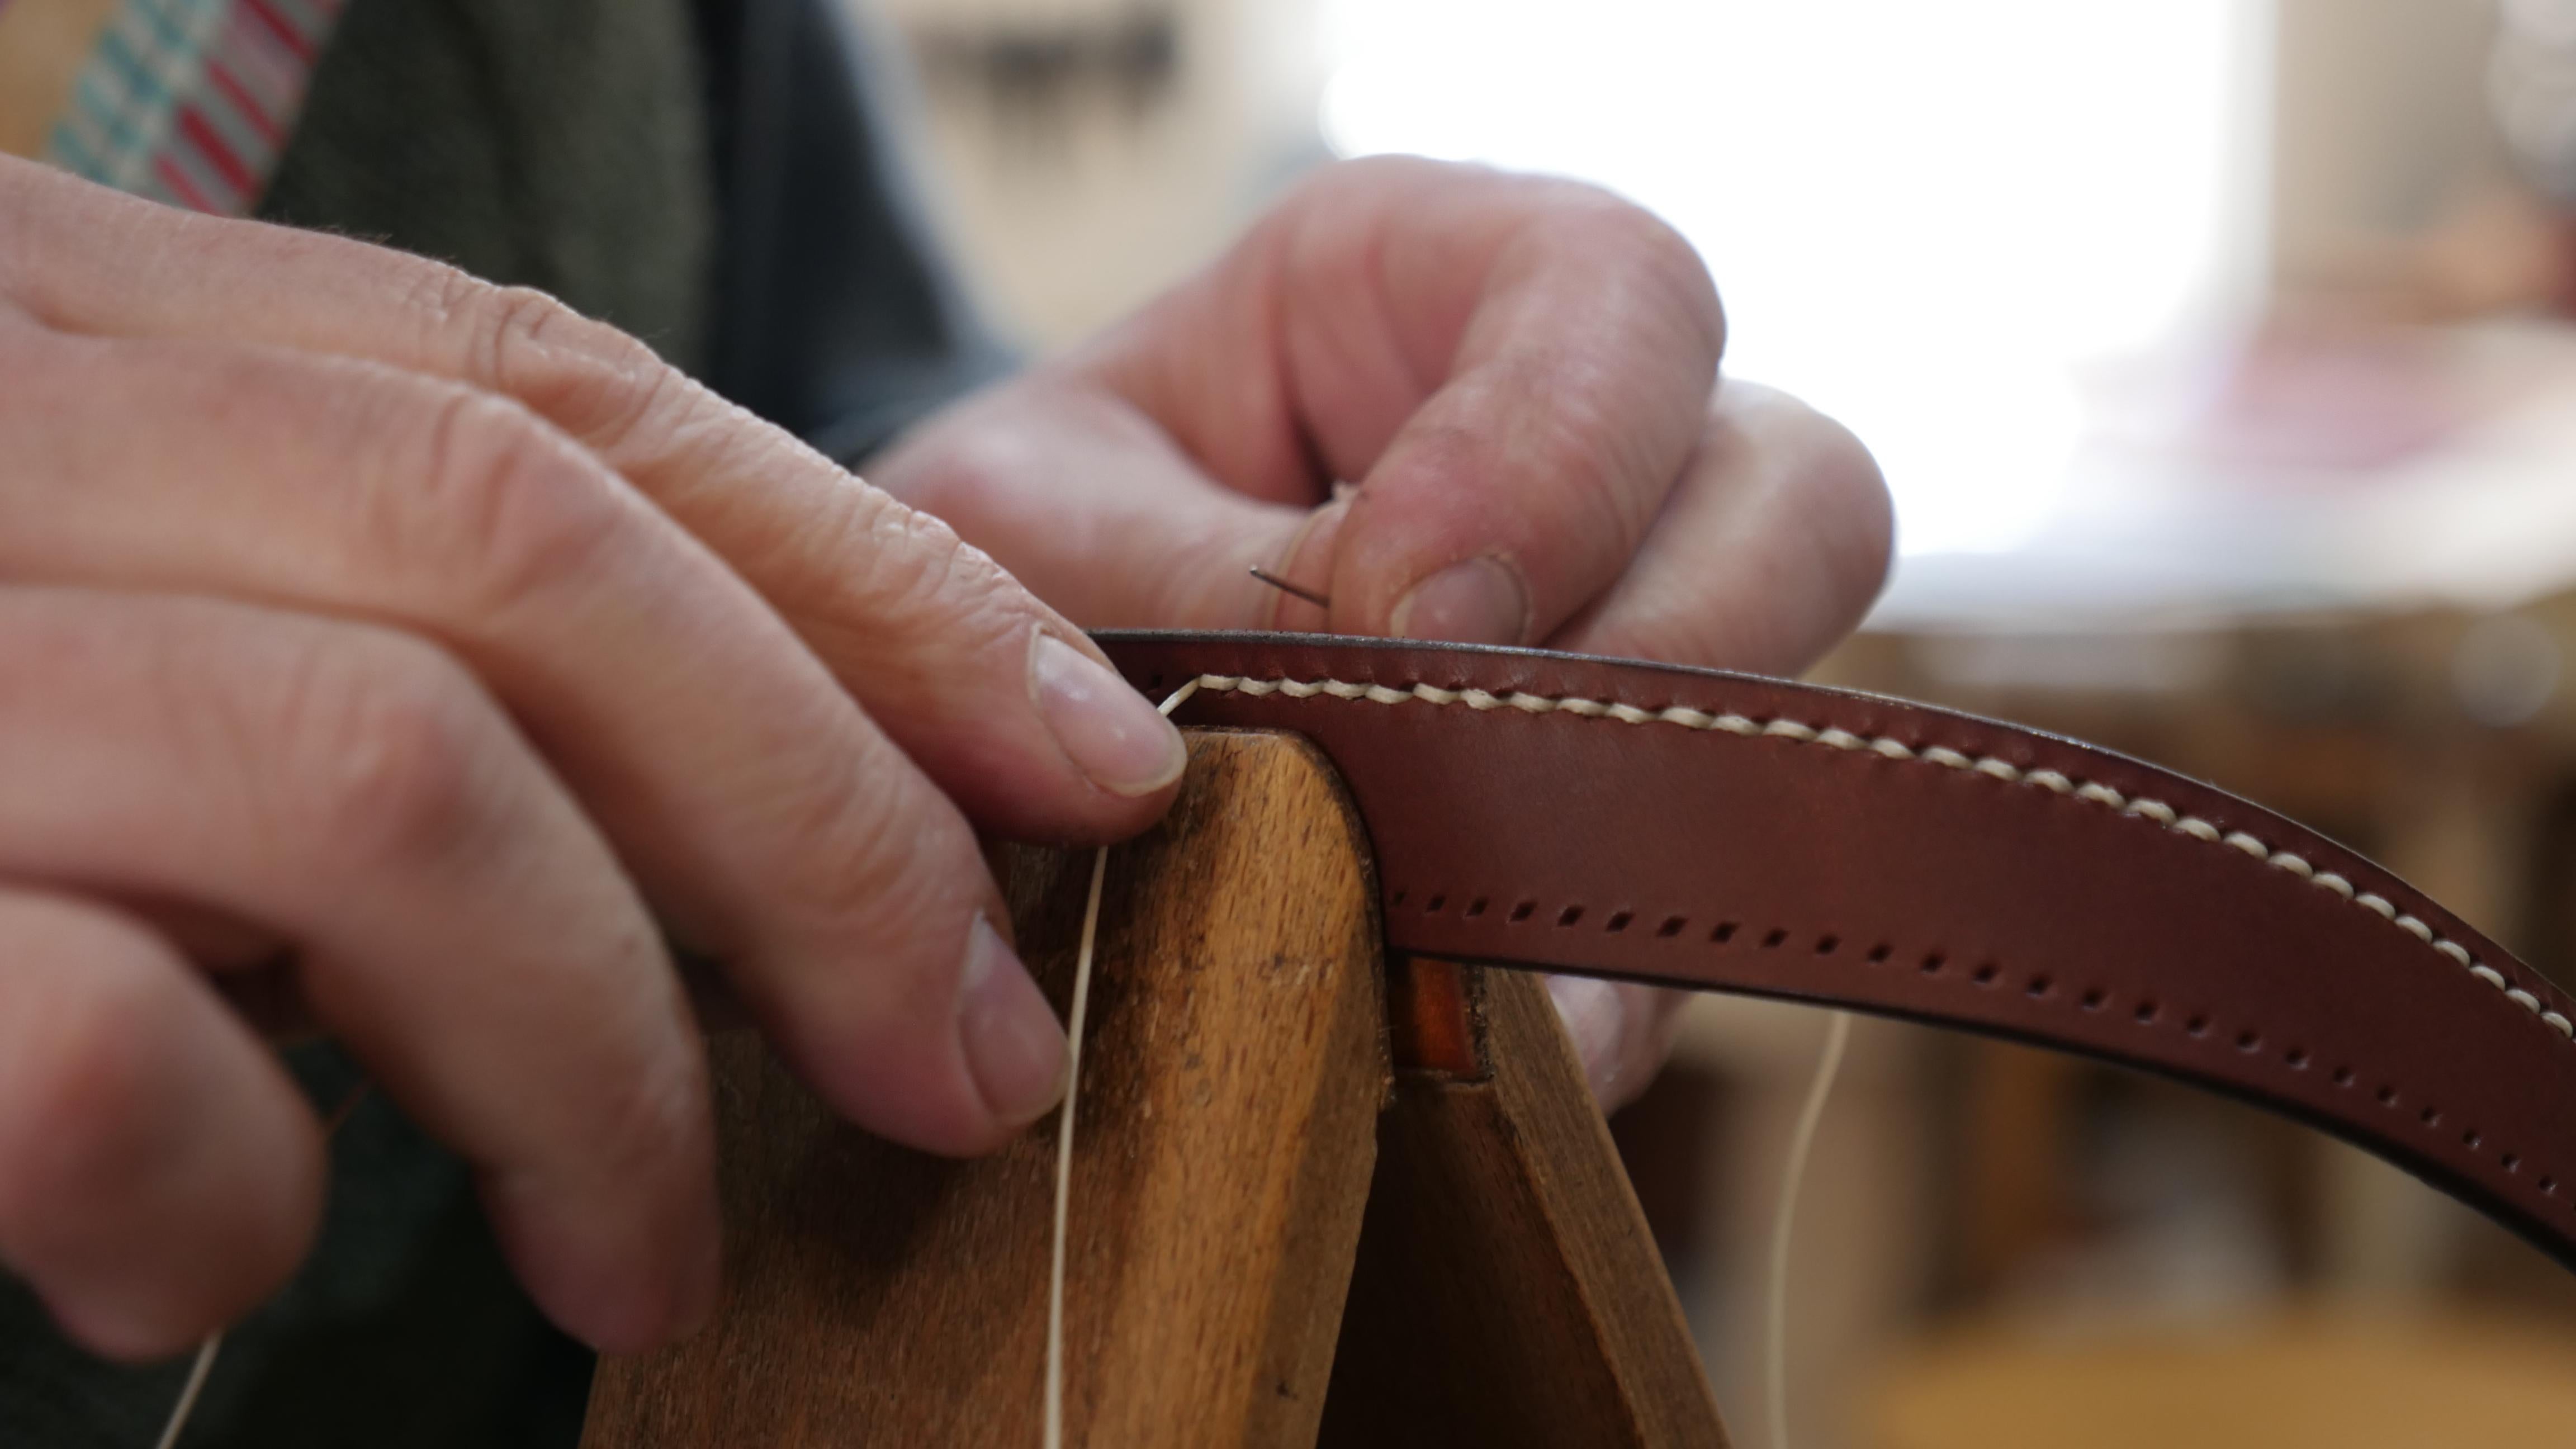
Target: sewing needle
[(1320, 601)]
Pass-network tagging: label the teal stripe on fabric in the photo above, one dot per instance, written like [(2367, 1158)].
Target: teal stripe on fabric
[(125, 94), (127, 123), (122, 105), (114, 121), (119, 59), (79, 143), (164, 26), (75, 152)]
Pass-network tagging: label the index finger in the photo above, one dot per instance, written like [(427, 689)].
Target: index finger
[(1000, 700)]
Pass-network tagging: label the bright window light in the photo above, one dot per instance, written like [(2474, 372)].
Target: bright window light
[(1925, 218)]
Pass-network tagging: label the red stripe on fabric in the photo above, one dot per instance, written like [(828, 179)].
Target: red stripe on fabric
[(296, 40), (180, 186), (210, 144), (264, 66), (242, 100)]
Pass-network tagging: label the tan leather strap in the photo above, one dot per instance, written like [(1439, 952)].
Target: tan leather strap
[(1727, 832)]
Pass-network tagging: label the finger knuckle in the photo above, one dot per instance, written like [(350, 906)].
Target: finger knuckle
[(509, 326), (915, 571), (45, 650), (395, 747), (1619, 238), (1858, 493), (1657, 246), (601, 384), (505, 506), (1844, 496), (1592, 464), (83, 1098), (497, 330), (885, 858), (651, 1124)]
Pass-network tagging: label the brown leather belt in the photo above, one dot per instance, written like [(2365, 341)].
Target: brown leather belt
[(1726, 832)]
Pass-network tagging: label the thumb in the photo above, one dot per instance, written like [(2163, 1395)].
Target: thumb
[(1514, 497)]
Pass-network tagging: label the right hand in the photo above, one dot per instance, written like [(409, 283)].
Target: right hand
[(450, 649)]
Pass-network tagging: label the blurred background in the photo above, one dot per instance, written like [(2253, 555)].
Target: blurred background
[(2219, 357)]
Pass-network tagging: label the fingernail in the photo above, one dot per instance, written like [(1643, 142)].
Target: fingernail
[(1593, 1016), (1013, 1045), (1480, 601), (1109, 731)]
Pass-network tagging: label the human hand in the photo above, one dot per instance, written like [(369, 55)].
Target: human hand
[(449, 650), (1519, 374)]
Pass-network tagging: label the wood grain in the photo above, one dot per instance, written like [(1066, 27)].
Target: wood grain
[(1507, 1291), (1224, 1144)]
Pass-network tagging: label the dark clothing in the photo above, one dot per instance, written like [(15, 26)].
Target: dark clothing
[(711, 177)]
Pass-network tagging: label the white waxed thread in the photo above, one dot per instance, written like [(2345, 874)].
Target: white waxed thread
[(198, 1371), (1775, 1357), (1064, 1153), (1838, 1031), (188, 1392), (2054, 781), (1064, 1125)]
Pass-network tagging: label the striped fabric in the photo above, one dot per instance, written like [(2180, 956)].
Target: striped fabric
[(189, 101)]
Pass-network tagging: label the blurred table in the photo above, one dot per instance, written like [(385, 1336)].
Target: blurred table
[(2394, 1384)]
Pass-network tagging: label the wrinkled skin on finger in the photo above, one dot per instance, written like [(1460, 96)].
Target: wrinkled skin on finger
[(933, 639), (1458, 404), (575, 655)]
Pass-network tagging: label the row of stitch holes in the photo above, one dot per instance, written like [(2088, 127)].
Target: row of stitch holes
[(1614, 924), (2039, 987), (2297, 1059), (2148, 1013)]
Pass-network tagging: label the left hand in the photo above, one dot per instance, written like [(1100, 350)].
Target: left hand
[(1520, 375)]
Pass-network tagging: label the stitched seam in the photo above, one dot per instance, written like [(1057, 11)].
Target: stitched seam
[(2138, 807)]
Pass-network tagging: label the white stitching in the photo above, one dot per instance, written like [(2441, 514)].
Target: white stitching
[(1834, 737)]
